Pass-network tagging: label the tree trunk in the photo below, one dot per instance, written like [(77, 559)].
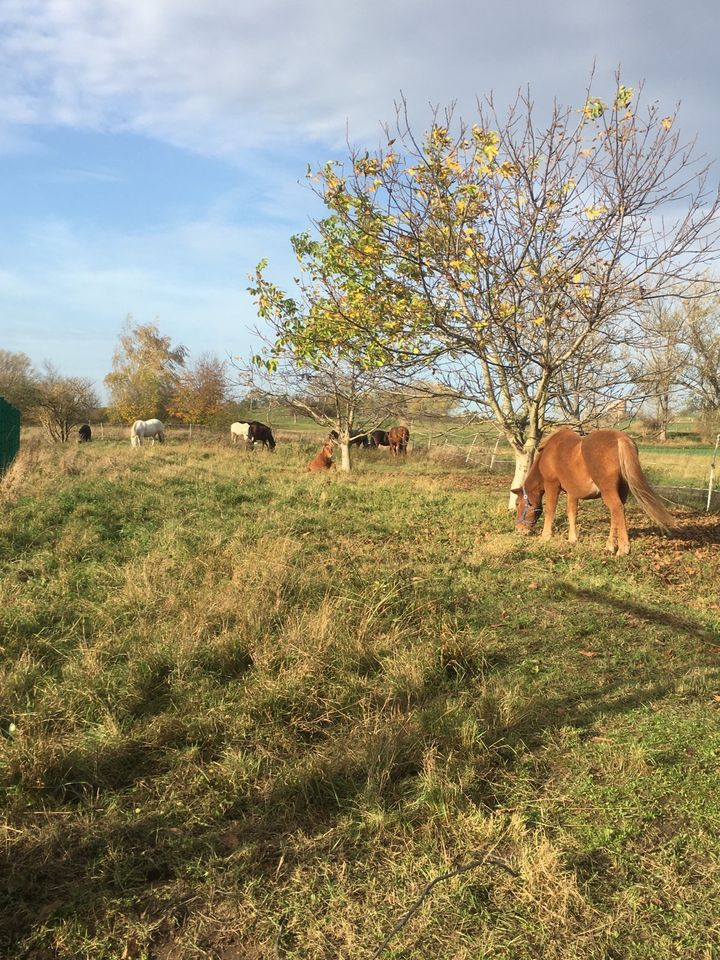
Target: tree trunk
[(523, 461), (663, 416), (345, 455)]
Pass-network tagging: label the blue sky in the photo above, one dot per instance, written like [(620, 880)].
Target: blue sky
[(152, 151)]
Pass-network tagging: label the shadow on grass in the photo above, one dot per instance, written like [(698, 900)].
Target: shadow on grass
[(620, 605), (68, 872)]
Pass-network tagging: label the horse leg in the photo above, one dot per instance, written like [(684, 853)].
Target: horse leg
[(618, 524), (552, 493), (572, 505)]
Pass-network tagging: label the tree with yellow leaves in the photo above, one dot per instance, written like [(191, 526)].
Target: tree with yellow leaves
[(144, 374), (515, 245), (201, 391)]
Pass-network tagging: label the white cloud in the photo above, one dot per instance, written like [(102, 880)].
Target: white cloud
[(222, 76)]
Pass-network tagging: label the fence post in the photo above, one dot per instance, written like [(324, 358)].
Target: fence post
[(492, 458), (102, 432), (429, 439), (467, 458), (712, 474)]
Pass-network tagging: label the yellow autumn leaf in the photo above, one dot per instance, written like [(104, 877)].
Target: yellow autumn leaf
[(592, 213), (577, 278), (539, 319), (666, 123)]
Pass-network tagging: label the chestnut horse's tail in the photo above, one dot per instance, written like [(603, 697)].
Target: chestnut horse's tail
[(639, 487)]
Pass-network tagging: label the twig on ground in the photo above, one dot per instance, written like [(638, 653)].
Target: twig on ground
[(473, 864)]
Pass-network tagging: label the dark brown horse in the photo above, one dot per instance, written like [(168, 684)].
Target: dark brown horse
[(260, 433), (603, 464), (398, 438)]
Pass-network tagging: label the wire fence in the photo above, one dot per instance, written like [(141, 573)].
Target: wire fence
[(682, 475)]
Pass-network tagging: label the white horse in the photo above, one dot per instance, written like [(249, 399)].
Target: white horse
[(146, 430), (239, 430)]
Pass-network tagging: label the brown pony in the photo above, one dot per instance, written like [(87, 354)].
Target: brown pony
[(398, 438), (323, 461), (603, 464)]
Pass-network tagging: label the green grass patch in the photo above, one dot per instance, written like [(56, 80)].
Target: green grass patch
[(250, 712)]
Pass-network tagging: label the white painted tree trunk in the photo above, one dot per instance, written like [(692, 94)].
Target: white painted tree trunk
[(523, 462), (345, 456)]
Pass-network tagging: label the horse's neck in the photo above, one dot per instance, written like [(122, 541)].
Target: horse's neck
[(534, 479)]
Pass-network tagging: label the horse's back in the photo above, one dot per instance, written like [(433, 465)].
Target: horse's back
[(561, 460), (601, 452)]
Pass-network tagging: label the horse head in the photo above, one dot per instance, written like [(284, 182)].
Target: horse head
[(529, 507)]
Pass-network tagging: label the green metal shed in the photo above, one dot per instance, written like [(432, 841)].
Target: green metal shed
[(9, 433)]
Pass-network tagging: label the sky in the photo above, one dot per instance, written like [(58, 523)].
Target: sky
[(153, 151)]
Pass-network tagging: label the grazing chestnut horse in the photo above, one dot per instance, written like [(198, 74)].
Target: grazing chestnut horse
[(323, 461), (603, 464), (398, 439)]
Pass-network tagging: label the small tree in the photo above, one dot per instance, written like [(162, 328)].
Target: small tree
[(63, 402), (701, 374), (18, 381), (319, 358), (658, 366), (144, 374), (200, 392)]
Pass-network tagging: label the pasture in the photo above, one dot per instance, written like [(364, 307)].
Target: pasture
[(247, 712)]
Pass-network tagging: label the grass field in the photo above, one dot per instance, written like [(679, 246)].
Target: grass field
[(249, 713)]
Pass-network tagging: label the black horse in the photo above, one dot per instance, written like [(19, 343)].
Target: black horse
[(379, 438), (84, 433), (357, 439), (260, 433)]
